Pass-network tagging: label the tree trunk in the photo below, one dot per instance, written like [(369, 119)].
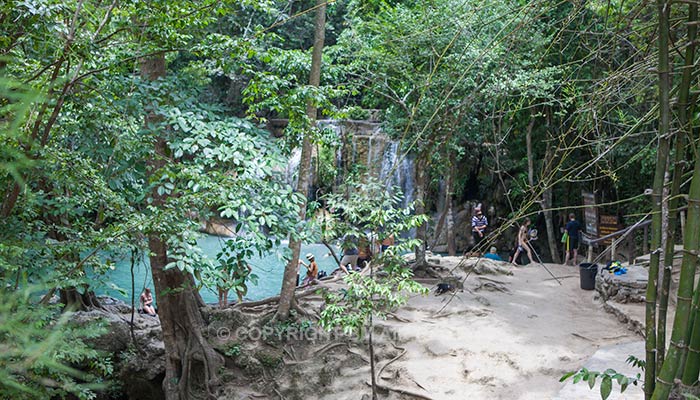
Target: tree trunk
[(73, 300), (451, 243), (651, 369), (552, 236), (421, 231), (289, 281), (530, 159), (438, 228), (189, 358)]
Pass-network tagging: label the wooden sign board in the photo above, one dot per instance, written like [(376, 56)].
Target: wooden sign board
[(608, 224), (590, 214)]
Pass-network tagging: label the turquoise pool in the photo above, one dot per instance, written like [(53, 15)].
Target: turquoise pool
[(269, 270)]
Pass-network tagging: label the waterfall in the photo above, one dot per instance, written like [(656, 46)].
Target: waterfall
[(397, 170), (364, 142), (290, 172)]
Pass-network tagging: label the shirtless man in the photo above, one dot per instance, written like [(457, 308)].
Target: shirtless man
[(522, 242), (146, 301), (311, 270)]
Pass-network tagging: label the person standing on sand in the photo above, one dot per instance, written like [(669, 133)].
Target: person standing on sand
[(479, 225), (523, 242), (572, 228)]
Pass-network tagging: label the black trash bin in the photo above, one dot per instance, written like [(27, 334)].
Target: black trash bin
[(588, 272)]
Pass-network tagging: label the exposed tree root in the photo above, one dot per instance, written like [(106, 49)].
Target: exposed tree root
[(274, 299), (403, 352), (362, 356), (315, 354)]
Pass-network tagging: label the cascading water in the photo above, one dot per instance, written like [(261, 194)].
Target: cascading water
[(364, 143), (398, 171), (290, 172)]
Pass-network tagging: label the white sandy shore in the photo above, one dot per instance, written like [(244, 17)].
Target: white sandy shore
[(502, 337)]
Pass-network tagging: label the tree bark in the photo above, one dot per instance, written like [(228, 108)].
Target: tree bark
[(289, 281), (530, 157), (451, 244), (438, 228), (552, 236), (421, 231), (189, 358)]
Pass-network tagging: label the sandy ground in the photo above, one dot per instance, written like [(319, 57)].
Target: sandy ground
[(501, 337)]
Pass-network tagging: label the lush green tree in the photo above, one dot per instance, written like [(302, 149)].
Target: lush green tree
[(366, 215)]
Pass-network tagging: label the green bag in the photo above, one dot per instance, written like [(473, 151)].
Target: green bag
[(565, 237)]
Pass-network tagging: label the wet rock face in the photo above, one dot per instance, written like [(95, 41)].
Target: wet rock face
[(627, 288), (139, 366), (218, 227)]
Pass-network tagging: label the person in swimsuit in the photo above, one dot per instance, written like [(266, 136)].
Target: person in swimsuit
[(523, 242), (311, 270), (146, 301)]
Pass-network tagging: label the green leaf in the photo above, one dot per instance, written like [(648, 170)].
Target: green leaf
[(591, 380), (605, 387)]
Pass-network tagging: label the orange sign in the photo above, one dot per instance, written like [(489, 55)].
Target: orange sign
[(608, 224)]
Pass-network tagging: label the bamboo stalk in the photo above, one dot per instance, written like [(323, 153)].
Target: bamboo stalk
[(683, 96), (650, 371), (679, 338)]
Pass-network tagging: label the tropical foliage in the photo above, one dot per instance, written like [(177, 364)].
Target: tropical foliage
[(520, 104)]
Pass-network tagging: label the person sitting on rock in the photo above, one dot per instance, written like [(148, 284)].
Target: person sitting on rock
[(364, 253), (492, 255), (146, 301), (350, 254)]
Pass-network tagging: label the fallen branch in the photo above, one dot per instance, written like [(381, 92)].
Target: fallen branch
[(401, 390), (582, 337), (396, 317), (561, 277), (493, 286), (492, 280)]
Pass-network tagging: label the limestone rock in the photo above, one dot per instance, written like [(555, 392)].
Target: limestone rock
[(140, 365), (627, 288), (219, 227)]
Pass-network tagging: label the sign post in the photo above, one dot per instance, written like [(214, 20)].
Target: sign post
[(590, 214), (590, 219)]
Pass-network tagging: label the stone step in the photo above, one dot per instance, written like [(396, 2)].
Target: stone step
[(630, 314)]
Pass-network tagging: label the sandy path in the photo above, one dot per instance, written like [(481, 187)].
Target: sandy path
[(489, 344)]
